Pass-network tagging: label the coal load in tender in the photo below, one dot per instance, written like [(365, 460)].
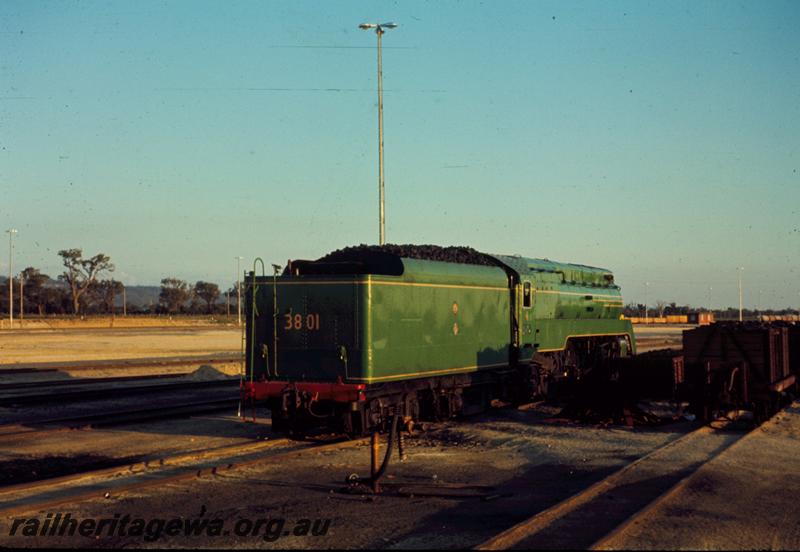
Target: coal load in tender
[(451, 254)]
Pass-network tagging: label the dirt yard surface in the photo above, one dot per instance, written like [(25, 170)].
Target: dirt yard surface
[(650, 337), (38, 347), (102, 322), (463, 483), (32, 457), (746, 498)]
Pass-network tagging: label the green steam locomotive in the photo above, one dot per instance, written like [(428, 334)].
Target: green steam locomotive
[(367, 333)]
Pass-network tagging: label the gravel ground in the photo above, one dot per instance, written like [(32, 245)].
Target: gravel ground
[(485, 475), (746, 498), (29, 458)]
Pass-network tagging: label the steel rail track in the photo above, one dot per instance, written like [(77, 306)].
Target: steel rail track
[(114, 364), (56, 495), (108, 392), (84, 381), (516, 536), (115, 417), (607, 541), (154, 462)]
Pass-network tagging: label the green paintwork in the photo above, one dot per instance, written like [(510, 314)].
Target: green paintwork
[(400, 327), (437, 318), (569, 300)]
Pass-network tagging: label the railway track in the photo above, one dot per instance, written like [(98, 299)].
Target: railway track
[(116, 364), (109, 418), (615, 538), (586, 518), (105, 392), (113, 482), (14, 386)]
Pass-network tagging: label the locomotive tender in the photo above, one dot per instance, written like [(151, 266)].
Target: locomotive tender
[(367, 333)]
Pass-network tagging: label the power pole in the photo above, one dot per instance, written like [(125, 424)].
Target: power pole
[(239, 291), (741, 306), (11, 233)]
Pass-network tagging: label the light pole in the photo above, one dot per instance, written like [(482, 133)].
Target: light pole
[(759, 307), (710, 308), (21, 299), (380, 28), (741, 307), (238, 290), (11, 233), (645, 301)]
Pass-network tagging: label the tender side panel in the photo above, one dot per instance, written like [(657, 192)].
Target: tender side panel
[(436, 319)]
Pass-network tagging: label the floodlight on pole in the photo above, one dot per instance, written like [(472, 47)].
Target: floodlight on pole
[(380, 29)]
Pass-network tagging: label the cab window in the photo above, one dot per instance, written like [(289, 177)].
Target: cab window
[(526, 295)]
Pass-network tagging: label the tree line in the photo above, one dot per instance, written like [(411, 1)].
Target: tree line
[(662, 308), (85, 287)]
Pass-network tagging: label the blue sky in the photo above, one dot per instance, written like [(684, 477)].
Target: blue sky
[(657, 139)]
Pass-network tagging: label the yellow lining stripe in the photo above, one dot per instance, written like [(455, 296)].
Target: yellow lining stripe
[(598, 298), (554, 292), (381, 283), (433, 372), (583, 335)]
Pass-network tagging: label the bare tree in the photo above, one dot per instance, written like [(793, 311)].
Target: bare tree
[(174, 293), (81, 273), (34, 288), (208, 292), (105, 291), (660, 306)]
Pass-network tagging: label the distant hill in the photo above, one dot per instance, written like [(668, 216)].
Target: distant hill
[(142, 296)]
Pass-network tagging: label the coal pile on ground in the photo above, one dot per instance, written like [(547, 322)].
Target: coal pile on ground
[(450, 254)]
